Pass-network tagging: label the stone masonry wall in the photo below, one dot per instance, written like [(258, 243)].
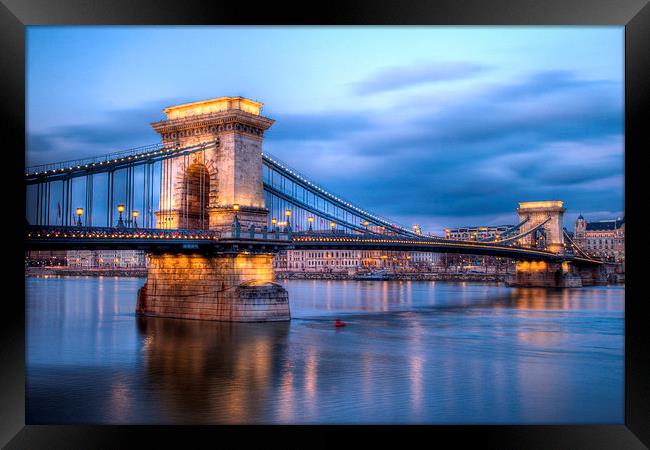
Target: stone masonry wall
[(226, 287)]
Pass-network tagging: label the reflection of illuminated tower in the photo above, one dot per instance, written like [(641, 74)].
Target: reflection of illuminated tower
[(538, 212), (224, 373)]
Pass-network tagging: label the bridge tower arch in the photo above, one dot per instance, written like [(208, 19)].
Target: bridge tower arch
[(198, 185), (548, 213)]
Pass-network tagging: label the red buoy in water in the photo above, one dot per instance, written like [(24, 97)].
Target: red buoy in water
[(339, 323)]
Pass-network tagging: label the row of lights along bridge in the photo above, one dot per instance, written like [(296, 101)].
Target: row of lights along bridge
[(120, 221)]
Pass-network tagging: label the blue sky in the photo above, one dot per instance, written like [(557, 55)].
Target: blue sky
[(441, 126)]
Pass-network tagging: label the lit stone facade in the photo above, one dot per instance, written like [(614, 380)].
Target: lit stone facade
[(199, 190), (542, 274), (602, 239), (233, 288), (538, 212)]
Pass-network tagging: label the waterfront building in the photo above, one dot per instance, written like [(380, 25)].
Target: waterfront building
[(476, 233), (90, 259), (347, 260), (46, 258), (424, 260), (602, 239)]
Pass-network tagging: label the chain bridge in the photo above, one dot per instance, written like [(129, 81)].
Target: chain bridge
[(211, 209)]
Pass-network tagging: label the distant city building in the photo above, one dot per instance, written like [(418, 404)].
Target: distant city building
[(106, 258), (350, 260), (602, 239), (46, 258), (424, 260), (476, 233)]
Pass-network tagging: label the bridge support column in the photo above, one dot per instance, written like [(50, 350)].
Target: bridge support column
[(224, 287), (593, 276), (543, 274)]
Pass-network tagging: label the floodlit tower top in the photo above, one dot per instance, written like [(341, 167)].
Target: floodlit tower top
[(543, 205), (213, 105)]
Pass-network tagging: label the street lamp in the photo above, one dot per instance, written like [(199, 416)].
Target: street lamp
[(333, 224), (80, 212), (135, 217), (120, 209), (274, 221), (310, 220), (287, 212)]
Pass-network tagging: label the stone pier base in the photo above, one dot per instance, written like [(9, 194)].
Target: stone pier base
[(542, 274), (224, 287), (593, 276)]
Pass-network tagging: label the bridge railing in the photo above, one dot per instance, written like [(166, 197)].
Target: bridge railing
[(76, 232), (393, 238), (56, 166), (257, 234), (107, 233)]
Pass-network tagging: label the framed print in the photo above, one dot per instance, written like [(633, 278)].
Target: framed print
[(377, 218)]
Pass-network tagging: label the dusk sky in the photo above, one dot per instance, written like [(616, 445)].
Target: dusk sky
[(440, 126)]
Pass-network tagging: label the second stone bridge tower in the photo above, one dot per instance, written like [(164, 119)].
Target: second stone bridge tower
[(548, 213)]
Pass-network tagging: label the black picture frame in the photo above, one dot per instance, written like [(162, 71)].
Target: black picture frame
[(633, 14)]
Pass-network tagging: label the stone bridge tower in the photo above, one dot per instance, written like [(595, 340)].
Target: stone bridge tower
[(205, 190), (199, 191), (538, 212)]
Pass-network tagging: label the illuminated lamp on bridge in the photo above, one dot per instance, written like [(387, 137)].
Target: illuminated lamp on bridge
[(80, 212), (135, 219), (235, 208), (120, 209), (310, 220)]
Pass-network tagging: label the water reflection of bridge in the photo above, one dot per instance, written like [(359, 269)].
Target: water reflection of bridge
[(216, 371)]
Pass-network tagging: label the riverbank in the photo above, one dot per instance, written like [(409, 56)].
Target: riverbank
[(428, 276), (73, 272), (142, 273)]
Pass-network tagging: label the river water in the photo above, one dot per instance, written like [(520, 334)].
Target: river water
[(412, 352)]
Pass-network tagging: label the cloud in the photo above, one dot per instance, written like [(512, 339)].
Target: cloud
[(394, 78), (120, 129), (317, 126), (550, 135)]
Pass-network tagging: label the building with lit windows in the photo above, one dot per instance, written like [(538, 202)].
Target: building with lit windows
[(346, 260), (45, 258), (106, 259), (424, 260), (476, 233), (602, 239)]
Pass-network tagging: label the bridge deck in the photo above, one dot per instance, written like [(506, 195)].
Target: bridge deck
[(162, 239)]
